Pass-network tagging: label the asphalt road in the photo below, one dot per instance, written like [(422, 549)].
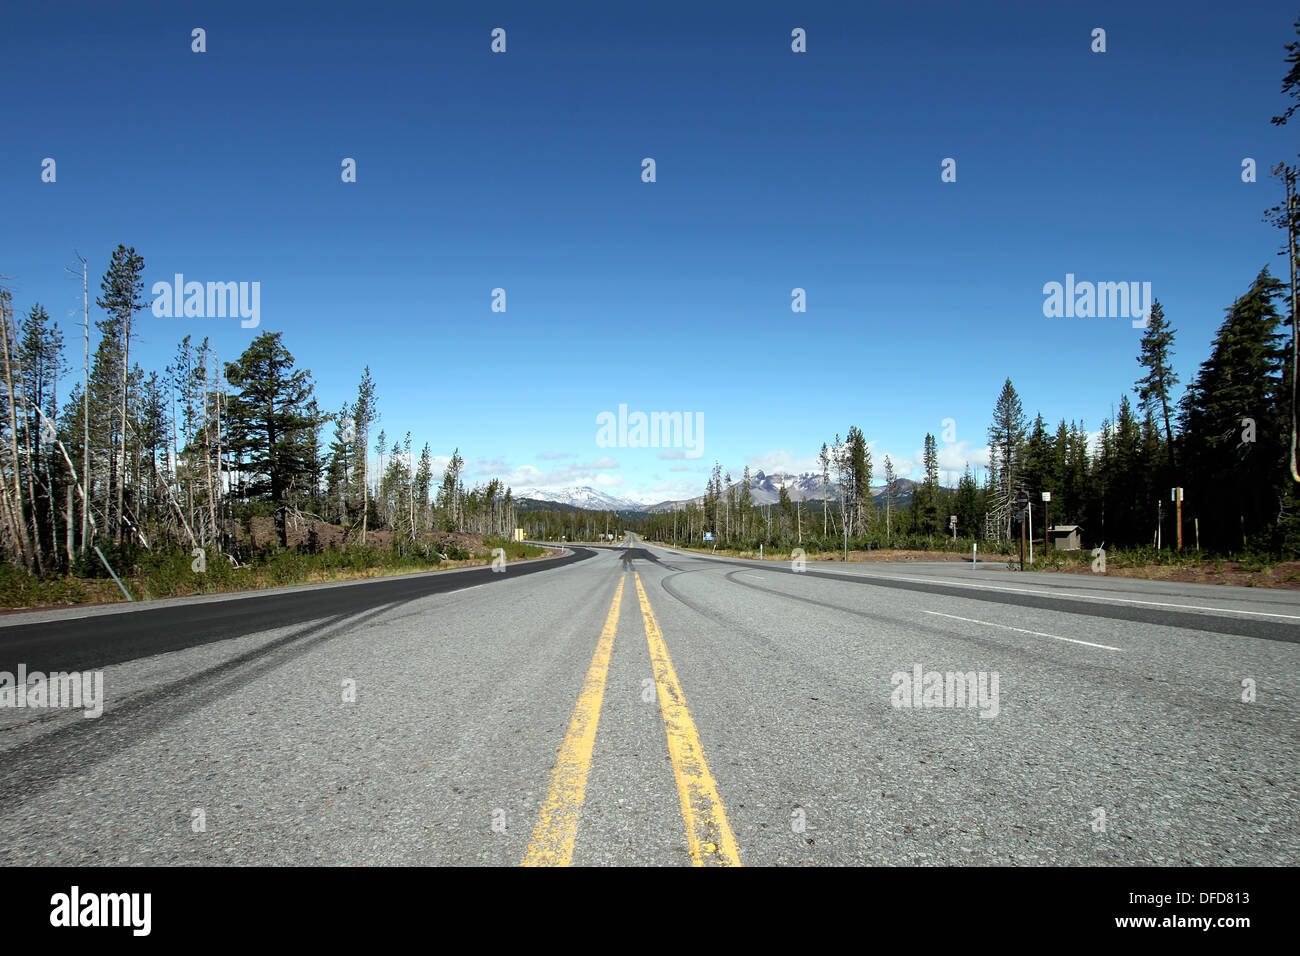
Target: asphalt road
[(639, 705)]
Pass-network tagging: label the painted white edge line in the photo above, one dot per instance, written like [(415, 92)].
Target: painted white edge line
[(1043, 592), (971, 620), (1080, 597)]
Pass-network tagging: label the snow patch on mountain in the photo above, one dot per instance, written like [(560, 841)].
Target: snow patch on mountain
[(580, 497)]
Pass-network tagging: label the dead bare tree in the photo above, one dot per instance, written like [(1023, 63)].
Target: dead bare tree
[(15, 506)]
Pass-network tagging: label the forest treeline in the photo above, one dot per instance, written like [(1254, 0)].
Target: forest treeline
[(186, 457), (1226, 442)]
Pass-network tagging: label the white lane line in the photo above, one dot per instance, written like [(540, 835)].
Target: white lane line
[(971, 620), (748, 575), (1042, 592)]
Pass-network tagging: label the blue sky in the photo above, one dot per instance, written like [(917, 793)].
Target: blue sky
[(774, 170)]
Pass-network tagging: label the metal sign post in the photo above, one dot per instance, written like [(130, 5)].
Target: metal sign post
[(1047, 524)]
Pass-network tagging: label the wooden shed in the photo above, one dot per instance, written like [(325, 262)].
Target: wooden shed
[(1067, 537)]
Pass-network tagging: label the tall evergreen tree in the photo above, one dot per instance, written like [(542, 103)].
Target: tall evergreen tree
[(450, 493), (891, 498), (929, 506), (40, 354), (1155, 388), (1006, 448), (122, 288), (268, 417), (967, 504), (364, 414), (1232, 426), (1286, 216), (857, 458)]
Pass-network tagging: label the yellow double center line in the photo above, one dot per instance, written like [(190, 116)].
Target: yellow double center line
[(708, 835), (557, 823)]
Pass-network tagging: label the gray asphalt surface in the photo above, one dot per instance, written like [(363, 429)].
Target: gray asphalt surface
[(1115, 695)]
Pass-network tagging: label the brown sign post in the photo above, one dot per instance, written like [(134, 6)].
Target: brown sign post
[(1176, 494)]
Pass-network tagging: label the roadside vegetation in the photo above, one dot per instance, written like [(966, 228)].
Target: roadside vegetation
[(1192, 566), (149, 575)]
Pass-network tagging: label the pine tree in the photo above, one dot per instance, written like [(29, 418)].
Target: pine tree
[(338, 471), (122, 286), (268, 417), (1036, 474), (929, 507), (1060, 453), (785, 508), (449, 493), (1154, 389), (1006, 449), (364, 414), (1076, 481), (1233, 431), (891, 499), (746, 503), (40, 354), (423, 486), (967, 504), (1286, 216), (825, 459), (21, 543), (858, 471)]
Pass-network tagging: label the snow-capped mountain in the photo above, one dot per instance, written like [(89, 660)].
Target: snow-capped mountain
[(581, 497), (765, 489)]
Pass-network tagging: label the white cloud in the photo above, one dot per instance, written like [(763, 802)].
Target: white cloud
[(780, 461), (592, 474), (956, 455), (672, 491)]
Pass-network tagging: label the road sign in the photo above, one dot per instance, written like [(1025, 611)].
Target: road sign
[(708, 536), (1022, 500), (1047, 496), (952, 520)]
